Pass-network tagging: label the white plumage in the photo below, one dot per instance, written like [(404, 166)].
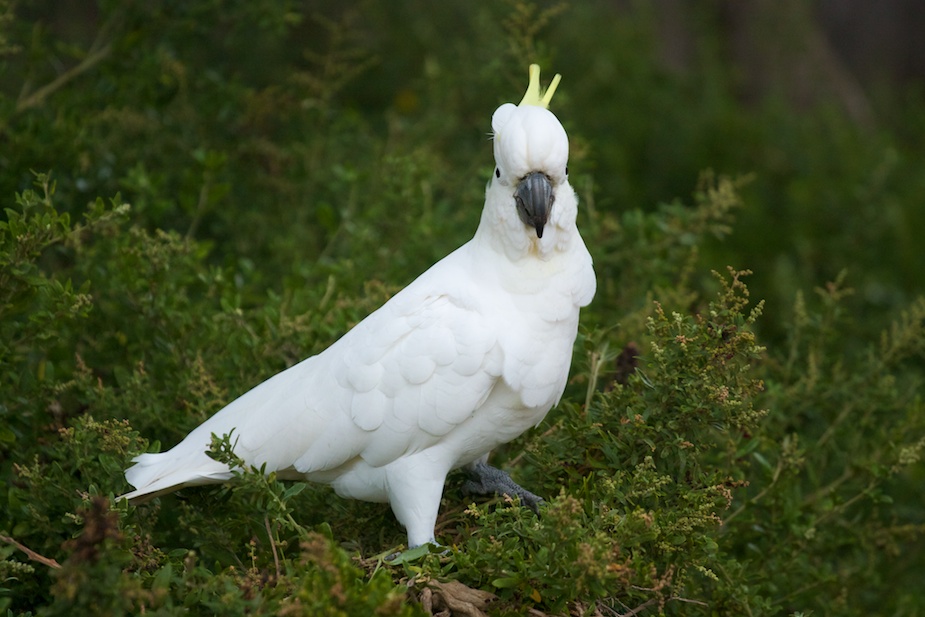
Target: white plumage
[(467, 357)]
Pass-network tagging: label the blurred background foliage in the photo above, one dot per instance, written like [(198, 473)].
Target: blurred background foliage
[(199, 194)]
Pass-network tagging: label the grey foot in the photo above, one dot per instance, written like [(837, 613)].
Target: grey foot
[(488, 480)]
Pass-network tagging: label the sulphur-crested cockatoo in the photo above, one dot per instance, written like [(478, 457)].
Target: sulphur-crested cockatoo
[(465, 358)]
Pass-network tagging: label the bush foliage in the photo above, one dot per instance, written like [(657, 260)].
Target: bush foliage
[(233, 185)]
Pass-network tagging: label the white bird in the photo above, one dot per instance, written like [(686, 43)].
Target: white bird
[(467, 357)]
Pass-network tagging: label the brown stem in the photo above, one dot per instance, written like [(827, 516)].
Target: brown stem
[(91, 60), (51, 563)]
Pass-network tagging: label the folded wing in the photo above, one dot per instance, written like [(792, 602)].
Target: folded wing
[(395, 384)]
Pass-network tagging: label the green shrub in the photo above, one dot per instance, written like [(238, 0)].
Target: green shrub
[(289, 169)]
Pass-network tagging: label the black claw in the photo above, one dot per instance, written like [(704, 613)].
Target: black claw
[(488, 480)]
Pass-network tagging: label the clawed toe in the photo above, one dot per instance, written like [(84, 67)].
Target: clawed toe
[(488, 480)]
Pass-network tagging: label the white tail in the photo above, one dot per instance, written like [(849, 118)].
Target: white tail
[(157, 474)]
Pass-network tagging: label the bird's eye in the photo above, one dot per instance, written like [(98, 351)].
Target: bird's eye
[(566, 171), (497, 173)]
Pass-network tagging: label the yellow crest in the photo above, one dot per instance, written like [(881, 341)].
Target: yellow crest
[(533, 95)]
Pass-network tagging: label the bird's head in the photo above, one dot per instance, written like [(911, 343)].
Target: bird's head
[(531, 155)]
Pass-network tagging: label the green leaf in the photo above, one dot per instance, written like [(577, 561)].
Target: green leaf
[(506, 582), (294, 490), (163, 578), (414, 554)]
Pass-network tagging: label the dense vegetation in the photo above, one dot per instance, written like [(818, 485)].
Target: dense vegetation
[(199, 194)]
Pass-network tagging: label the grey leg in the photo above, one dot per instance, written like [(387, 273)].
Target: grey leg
[(488, 480)]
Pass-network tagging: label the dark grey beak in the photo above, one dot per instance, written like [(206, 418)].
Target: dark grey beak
[(534, 200)]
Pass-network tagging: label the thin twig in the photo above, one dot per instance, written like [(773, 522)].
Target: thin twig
[(516, 460), (266, 521), (756, 498), (639, 609), (202, 205), (688, 600), (42, 93), (597, 361), (651, 601), (51, 563)]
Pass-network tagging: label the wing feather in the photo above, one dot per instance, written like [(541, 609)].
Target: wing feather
[(406, 376)]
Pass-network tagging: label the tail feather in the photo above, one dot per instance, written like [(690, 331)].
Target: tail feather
[(157, 474)]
